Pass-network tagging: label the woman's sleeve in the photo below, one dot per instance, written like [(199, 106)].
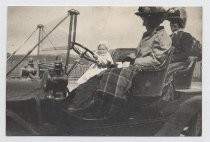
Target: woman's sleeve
[(186, 42), (160, 46)]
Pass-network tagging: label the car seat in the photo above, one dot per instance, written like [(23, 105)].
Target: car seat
[(183, 77)]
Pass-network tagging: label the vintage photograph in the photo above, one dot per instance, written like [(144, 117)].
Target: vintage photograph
[(104, 71)]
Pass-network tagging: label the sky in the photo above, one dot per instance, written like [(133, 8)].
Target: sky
[(118, 26)]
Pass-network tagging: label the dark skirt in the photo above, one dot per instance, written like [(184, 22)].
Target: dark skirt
[(107, 91)]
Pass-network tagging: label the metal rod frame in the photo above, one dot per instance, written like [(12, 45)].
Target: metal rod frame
[(37, 45)]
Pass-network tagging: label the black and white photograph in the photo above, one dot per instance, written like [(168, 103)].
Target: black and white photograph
[(104, 71)]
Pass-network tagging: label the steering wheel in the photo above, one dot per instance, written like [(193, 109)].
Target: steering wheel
[(83, 51)]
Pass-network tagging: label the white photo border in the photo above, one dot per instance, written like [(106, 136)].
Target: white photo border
[(206, 68)]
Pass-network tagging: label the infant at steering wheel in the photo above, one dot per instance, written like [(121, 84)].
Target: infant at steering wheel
[(103, 60)]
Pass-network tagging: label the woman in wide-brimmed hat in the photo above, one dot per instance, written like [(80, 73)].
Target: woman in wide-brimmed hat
[(108, 93)]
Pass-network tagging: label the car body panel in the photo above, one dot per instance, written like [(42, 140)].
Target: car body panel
[(51, 117)]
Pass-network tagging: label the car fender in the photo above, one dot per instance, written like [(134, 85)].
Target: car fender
[(180, 118)]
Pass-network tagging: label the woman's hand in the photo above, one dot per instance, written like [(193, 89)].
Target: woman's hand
[(130, 58)]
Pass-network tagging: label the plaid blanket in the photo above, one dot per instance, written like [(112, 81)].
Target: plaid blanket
[(168, 90), (112, 90)]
